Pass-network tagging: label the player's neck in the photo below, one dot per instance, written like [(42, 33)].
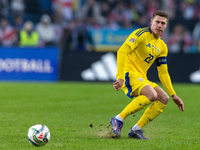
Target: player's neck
[(153, 33), (156, 35)]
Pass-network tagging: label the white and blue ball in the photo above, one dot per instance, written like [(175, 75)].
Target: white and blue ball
[(38, 135)]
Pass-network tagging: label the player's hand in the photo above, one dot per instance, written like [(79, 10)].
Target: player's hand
[(118, 84), (178, 102)]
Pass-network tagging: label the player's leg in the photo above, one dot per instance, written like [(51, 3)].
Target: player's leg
[(137, 104), (155, 108), (148, 95), (161, 95), (151, 112), (132, 86)]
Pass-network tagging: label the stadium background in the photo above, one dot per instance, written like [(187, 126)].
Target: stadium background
[(76, 40)]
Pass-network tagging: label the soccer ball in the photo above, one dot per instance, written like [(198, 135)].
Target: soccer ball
[(38, 135)]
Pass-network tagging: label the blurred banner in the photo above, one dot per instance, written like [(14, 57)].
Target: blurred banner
[(109, 40), (101, 66), (28, 64)]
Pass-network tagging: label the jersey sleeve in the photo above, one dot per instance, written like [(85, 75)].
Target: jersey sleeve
[(121, 58), (163, 73), (135, 38), (129, 45)]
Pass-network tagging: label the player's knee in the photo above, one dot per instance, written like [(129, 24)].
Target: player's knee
[(152, 96), (164, 98)]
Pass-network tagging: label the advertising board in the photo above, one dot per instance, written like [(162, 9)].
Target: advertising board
[(29, 64), (101, 66)]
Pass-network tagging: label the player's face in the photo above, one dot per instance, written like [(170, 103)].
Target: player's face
[(158, 25)]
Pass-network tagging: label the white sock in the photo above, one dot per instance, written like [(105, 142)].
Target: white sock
[(136, 127), (119, 118)]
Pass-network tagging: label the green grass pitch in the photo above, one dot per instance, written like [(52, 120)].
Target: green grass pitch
[(78, 114)]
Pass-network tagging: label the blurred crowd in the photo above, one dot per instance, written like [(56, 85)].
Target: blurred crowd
[(66, 23)]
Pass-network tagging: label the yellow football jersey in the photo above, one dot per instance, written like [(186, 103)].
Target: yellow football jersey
[(138, 53)]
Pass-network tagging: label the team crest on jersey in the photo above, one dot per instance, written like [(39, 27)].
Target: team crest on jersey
[(140, 79), (158, 49), (153, 46), (132, 40)]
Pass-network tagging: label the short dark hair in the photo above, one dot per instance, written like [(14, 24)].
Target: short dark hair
[(160, 13)]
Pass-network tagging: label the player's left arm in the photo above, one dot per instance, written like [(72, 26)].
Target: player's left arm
[(165, 79)]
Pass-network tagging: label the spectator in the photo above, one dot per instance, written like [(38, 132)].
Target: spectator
[(66, 38), (58, 29), (180, 40), (28, 37), (81, 36), (7, 34), (45, 29), (18, 24)]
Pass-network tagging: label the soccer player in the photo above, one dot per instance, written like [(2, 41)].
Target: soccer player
[(136, 55)]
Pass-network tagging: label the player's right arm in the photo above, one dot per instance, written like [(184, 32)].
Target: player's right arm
[(129, 45), (121, 57)]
